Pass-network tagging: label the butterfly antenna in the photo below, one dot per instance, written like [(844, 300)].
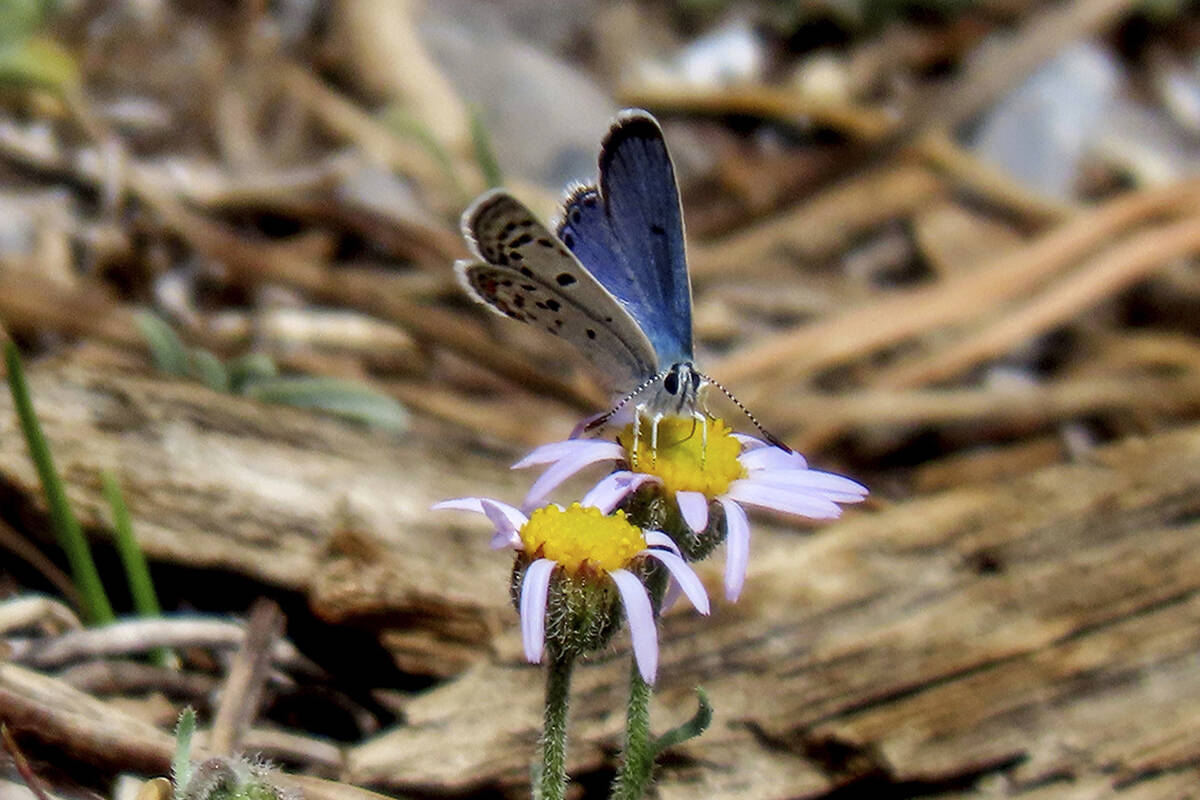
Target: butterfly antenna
[(770, 437), (607, 415)]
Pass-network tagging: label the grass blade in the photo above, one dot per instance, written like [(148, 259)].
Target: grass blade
[(485, 154), (137, 571), (96, 608)]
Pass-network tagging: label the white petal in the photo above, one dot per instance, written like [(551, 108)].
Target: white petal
[(671, 595), (749, 442), (564, 468), (827, 484), (683, 575), (771, 458), (534, 589), (554, 451), (641, 622), (737, 548), (693, 507), (508, 522), (788, 501), (614, 488), (660, 539), (460, 504)]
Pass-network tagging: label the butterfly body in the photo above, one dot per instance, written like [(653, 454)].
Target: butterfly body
[(612, 278)]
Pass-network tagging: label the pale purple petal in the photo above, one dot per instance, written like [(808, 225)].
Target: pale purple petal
[(554, 451), (671, 595), (641, 622), (586, 423), (749, 442), (771, 458), (660, 539), (511, 518), (788, 501), (535, 587), (614, 488), (826, 484), (580, 456), (684, 576), (693, 507), (460, 504), (508, 522), (737, 548)]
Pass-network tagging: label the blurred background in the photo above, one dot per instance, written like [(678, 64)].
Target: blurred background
[(945, 247)]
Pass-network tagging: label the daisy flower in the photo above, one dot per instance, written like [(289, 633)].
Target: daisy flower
[(721, 471), (569, 559)]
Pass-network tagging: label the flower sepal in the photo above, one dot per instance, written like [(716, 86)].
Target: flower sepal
[(653, 507), (583, 607)]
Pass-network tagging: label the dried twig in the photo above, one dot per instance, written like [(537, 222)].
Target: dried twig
[(143, 635), (27, 774), (903, 314), (247, 677), (29, 610), (1107, 274)]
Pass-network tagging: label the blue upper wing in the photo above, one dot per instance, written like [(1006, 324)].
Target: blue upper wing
[(629, 234)]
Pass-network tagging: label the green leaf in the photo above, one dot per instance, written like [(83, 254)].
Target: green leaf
[(96, 609), (343, 398), (166, 348), (485, 154), (181, 763), (38, 61), (688, 730), (209, 370), (21, 18), (248, 368)]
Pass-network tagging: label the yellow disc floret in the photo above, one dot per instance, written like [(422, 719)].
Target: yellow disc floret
[(687, 459), (574, 535)]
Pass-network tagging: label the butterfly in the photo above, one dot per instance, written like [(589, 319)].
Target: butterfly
[(612, 278)]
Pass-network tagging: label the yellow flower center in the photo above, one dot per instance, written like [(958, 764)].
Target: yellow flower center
[(574, 535), (685, 461)]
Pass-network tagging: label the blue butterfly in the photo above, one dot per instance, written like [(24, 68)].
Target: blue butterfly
[(612, 279)]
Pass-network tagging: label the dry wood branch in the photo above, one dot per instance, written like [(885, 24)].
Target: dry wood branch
[(143, 636), (27, 774), (767, 102), (1047, 622), (35, 611), (1007, 410), (823, 225), (119, 677), (79, 725), (903, 314), (1106, 275), (218, 482), (242, 692)]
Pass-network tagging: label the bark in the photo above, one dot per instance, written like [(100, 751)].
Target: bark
[(1031, 638)]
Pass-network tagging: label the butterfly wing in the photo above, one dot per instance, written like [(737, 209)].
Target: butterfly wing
[(629, 233), (530, 276)]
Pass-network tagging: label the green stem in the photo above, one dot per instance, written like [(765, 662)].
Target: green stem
[(634, 775), (137, 572), (554, 732), (96, 608)]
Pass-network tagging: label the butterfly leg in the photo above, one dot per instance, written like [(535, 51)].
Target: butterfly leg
[(703, 436), (654, 420), (637, 436)]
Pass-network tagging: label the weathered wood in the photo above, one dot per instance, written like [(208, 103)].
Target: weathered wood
[(291, 498), (996, 640), (1031, 638)]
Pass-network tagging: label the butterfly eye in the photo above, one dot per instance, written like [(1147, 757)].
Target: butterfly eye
[(671, 382)]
